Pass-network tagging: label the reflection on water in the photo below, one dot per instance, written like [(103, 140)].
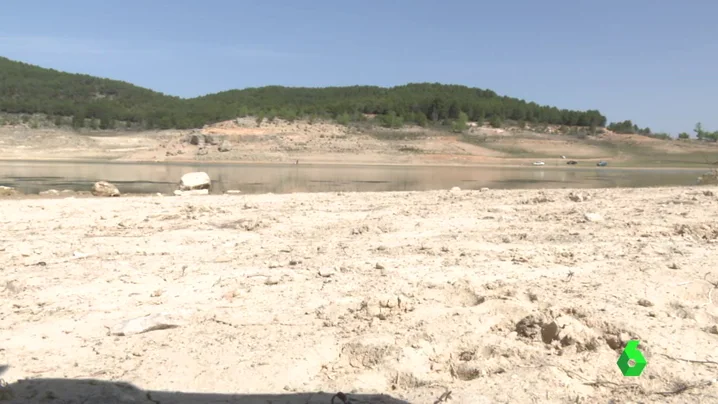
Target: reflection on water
[(33, 177)]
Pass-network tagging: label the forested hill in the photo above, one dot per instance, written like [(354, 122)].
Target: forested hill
[(30, 89), (27, 89)]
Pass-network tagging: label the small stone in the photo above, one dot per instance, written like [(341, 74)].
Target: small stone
[(645, 303), (211, 140), (379, 266), (501, 209), (197, 140), (593, 217), (389, 302), (549, 332), (229, 295), (529, 326), (371, 308), (144, 324), (713, 329), (613, 341), (104, 188), (80, 255), (327, 272), (272, 280), (455, 190), (577, 197), (573, 332), (225, 146), (484, 189)]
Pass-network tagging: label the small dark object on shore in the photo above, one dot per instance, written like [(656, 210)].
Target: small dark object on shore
[(602, 164), (572, 162)]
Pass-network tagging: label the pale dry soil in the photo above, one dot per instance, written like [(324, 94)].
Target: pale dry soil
[(407, 294)]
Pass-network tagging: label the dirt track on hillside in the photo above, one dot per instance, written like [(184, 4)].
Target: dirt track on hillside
[(407, 294)]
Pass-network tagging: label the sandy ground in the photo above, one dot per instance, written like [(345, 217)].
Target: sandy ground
[(495, 296), (324, 142)]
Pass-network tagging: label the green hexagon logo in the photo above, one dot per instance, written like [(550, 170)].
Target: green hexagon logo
[(632, 362)]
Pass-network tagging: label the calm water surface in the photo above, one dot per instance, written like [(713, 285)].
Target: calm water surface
[(33, 177)]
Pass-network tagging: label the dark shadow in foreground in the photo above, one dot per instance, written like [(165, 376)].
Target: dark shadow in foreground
[(90, 391)]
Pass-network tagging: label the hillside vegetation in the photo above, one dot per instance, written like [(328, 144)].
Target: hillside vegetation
[(28, 89), (83, 100)]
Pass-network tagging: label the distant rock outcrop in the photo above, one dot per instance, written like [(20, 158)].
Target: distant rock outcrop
[(225, 146), (211, 140), (198, 139)]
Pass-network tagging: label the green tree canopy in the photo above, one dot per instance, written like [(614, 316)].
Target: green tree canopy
[(459, 125), (28, 89)]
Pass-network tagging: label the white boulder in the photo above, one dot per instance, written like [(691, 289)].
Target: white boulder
[(193, 181), (104, 188)]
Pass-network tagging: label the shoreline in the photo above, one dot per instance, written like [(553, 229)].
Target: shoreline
[(176, 162), (87, 195)]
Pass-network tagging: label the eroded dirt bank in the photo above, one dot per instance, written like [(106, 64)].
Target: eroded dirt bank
[(497, 296), (241, 140)]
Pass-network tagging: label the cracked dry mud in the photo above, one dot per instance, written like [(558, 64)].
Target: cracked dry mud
[(497, 296)]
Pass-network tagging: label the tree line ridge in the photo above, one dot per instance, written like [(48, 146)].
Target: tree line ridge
[(30, 89)]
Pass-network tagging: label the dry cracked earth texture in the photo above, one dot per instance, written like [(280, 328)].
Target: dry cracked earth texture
[(445, 296)]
